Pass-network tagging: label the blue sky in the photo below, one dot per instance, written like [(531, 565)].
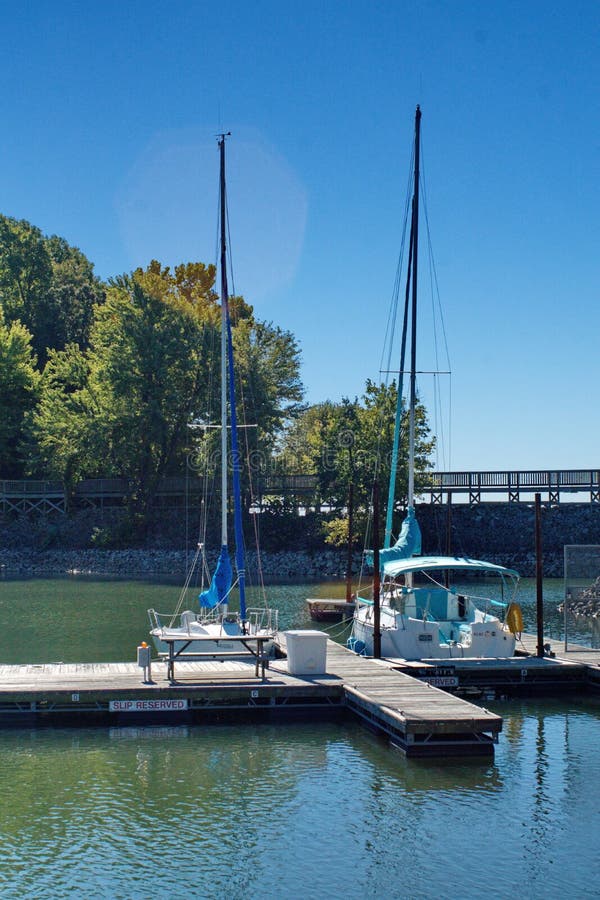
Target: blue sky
[(109, 113)]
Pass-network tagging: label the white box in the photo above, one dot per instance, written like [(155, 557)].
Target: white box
[(306, 652)]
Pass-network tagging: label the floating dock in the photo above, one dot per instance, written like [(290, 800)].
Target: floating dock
[(417, 718), (414, 705), (576, 669)]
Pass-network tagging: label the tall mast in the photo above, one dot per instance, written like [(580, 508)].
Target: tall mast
[(224, 305), (227, 368), (413, 350)]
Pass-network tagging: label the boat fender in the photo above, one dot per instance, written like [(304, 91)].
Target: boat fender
[(356, 645), (514, 619), (360, 647)]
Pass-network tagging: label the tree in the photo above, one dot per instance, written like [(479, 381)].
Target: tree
[(19, 381), (149, 358), (267, 366), (25, 271), (321, 441), (64, 428), (46, 284), (351, 443), (72, 298), (123, 407)]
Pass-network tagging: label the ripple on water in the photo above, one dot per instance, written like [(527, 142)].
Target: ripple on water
[(310, 810)]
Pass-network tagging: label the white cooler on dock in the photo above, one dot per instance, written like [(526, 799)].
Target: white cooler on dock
[(306, 652)]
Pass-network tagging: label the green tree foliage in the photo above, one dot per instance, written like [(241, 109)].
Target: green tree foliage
[(72, 298), (47, 285), (123, 407), (149, 358), (322, 442), (64, 428), (351, 443), (267, 361), (19, 382)]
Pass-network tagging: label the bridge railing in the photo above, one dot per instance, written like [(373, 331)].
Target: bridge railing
[(513, 483), (44, 496)]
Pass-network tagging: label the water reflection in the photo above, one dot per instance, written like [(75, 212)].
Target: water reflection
[(325, 810), (331, 809)]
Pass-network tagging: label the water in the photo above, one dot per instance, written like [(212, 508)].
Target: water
[(83, 619), (302, 810)]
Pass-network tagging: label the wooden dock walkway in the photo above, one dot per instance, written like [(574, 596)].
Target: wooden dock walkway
[(399, 699), (419, 719)]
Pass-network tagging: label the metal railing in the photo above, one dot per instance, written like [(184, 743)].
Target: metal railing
[(31, 495), (514, 483)]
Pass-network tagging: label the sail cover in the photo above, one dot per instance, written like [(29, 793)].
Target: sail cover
[(220, 585), (407, 545)]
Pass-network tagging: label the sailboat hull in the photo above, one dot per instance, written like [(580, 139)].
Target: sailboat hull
[(192, 633), (404, 637)]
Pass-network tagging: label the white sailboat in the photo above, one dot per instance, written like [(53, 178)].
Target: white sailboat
[(191, 630), (416, 614)]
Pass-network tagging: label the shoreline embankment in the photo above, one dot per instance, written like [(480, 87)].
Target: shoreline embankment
[(499, 532)]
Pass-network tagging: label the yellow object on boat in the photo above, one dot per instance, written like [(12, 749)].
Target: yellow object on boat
[(514, 618)]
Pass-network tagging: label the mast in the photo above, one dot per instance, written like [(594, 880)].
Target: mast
[(227, 369), (224, 317), (413, 350)]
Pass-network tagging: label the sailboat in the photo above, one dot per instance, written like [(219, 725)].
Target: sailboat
[(415, 613), (192, 629)]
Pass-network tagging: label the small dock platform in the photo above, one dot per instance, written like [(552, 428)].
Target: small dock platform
[(419, 719), (560, 671)]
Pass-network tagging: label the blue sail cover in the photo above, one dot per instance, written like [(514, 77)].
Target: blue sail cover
[(407, 545), (220, 584)]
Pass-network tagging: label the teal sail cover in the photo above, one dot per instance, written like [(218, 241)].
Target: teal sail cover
[(220, 585), (407, 545)]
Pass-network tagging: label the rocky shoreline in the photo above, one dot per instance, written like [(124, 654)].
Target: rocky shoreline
[(499, 532), (586, 603), (136, 563), (278, 567), (328, 564)]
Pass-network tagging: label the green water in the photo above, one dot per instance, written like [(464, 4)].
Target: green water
[(103, 620), (299, 810)]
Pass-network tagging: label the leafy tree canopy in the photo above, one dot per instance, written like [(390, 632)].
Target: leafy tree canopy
[(19, 386), (64, 427), (351, 443), (47, 285), (124, 406)]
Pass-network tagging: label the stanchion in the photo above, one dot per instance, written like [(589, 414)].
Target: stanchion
[(144, 661)]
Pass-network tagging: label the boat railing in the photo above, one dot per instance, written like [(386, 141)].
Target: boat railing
[(167, 620), (259, 619), (262, 619), (155, 620)]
